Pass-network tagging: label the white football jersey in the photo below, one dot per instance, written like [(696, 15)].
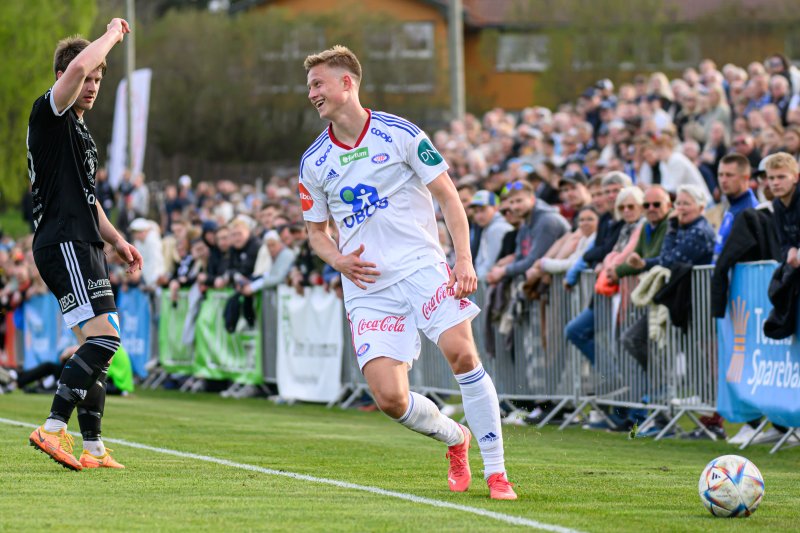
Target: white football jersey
[(376, 192)]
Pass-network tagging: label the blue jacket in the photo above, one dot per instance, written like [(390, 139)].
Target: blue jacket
[(692, 244), (744, 201)]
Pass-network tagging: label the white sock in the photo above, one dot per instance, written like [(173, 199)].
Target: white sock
[(52, 425), (424, 417), (482, 410), (94, 447)]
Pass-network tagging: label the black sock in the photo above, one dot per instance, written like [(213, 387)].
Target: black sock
[(90, 410), (80, 374)]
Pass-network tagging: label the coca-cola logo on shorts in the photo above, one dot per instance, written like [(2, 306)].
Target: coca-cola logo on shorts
[(431, 305), (391, 324)]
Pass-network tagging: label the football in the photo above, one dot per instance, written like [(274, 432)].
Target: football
[(731, 486)]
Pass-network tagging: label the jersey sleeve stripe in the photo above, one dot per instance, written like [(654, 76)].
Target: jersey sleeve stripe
[(394, 118), (50, 98), (398, 126), (314, 147)]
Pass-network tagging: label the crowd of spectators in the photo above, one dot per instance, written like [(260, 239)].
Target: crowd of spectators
[(624, 180)]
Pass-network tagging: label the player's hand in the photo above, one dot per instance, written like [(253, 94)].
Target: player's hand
[(464, 279), (130, 255), (355, 269), (119, 25)]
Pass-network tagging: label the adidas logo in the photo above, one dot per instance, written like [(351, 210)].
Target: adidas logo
[(331, 174), (489, 437)]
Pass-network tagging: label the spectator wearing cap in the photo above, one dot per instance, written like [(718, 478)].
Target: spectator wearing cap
[(542, 226), (484, 208), (606, 90), (174, 207), (573, 191), (147, 240)]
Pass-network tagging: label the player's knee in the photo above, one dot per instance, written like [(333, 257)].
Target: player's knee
[(394, 404), (463, 360)]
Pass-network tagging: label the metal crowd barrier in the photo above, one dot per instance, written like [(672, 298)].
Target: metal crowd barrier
[(536, 362)]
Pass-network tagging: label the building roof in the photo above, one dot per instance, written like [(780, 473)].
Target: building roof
[(503, 13)]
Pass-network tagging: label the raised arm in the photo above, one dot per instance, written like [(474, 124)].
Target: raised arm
[(69, 83), (463, 273)]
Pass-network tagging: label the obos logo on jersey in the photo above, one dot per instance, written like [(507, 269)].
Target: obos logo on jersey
[(365, 201), (306, 202)]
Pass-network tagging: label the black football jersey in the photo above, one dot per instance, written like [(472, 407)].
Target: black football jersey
[(62, 161)]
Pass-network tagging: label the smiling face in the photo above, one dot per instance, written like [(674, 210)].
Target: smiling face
[(328, 89), (687, 208)]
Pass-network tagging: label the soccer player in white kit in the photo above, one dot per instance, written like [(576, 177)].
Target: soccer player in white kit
[(374, 174)]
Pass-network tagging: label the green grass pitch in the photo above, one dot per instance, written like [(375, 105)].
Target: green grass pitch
[(586, 481)]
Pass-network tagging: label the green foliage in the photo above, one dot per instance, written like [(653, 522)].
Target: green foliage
[(583, 480), (29, 32)]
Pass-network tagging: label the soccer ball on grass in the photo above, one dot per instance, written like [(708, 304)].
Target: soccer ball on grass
[(731, 486)]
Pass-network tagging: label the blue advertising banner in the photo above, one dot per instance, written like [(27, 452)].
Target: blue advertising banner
[(134, 323), (758, 375), (45, 333)]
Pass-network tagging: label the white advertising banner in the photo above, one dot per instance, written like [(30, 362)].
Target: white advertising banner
[(310, 344), (118, 152)]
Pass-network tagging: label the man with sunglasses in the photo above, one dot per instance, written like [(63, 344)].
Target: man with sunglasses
[(542, 226), (657, 206)]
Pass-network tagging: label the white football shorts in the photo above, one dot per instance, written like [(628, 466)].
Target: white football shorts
[(387, 323)]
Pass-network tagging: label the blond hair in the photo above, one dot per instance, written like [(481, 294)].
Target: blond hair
[(68, 49), (339, 56), (781, 160)]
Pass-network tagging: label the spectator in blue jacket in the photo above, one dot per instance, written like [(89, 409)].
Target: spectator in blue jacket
[(690, 238)]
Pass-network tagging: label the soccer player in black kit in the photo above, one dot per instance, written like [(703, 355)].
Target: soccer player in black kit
[(71, 228)]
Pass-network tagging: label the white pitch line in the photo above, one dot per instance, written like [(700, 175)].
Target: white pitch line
[(509, 519)]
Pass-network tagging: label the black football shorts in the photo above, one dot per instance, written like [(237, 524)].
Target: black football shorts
[(77, 274)]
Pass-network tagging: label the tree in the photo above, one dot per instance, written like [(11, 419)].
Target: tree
[(29, 32)]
